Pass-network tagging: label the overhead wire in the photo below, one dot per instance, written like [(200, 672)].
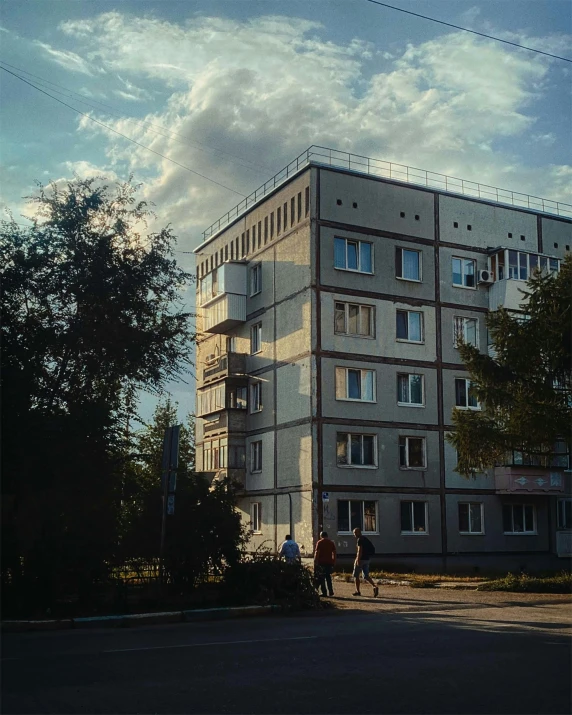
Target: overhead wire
[(201, 146), (466, 29), (143, 146)]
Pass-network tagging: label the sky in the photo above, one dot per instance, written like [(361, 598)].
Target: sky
[(235, 89)]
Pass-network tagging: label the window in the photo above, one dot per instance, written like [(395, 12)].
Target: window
[(237, 398), (353, 384), (242, 245), (410, 390), (272, 225), (255, 517), (256, 338), (259, 234), (354, 319), (518, 519), (292, 211), (255, 279), (211, 400), (215, 454), (408, 264), (465, 330), (255, 397), (265, 230), (412, 452), (285, 215), (414, 517), (300, 206), (565, 513), (211, 285), (355, 450), (357, 515), (256, 456), (464, 272), (409, 326), (353, 255), (471, 518), (464, 397), (278, 220), (307, 200)]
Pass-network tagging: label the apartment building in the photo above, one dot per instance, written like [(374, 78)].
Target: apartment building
[(330, 304)]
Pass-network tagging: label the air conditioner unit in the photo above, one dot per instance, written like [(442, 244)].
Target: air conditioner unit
[(485, 277)]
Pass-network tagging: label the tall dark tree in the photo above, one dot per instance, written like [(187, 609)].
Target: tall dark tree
[(525, 386), (91, 312)]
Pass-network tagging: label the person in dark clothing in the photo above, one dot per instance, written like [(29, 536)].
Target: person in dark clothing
[(364, 551), (324, 562)]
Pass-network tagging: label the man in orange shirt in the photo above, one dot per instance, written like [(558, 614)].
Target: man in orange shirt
[(324, 561)]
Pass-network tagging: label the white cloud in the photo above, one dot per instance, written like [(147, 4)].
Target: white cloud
[(69, 60), (265, 89)]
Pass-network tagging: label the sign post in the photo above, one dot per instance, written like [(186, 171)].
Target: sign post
[(169, 466)]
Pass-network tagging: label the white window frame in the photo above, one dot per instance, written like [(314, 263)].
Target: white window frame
[(460, 328), (350, 464), (419, 262), (464, 274), (359, 244), (344, 370), (256, 457), (255, 279), (255, 397), (561, 508), (422, 326), (471, 505), (467, 389), (256, 339), (409, 375), (371, 334), (362, 501), (413, 532), (522, 506), (255, 517), (406, 466)]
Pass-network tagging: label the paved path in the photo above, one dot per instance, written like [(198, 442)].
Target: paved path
[(409, 651)]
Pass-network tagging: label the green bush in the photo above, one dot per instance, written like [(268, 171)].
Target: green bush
[(262, 579), (561, 583)]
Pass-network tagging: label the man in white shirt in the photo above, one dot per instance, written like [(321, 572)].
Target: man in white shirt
[(289, 550)]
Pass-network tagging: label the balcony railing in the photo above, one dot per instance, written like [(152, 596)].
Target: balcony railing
[(226, 422), (396, 172), (226, 313), (529, 480), (227, 365)]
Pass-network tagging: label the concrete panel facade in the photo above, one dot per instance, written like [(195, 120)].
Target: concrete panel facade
[(490, 225), (384, 342), (556, 236), (379, 204), (384, 278), (294, 456), (294, 391)]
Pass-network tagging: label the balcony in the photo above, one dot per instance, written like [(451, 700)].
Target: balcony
[(228, 365), (507, 294), (225, 421), (222, 297), (509, 270), (237, 475), (529, 480)]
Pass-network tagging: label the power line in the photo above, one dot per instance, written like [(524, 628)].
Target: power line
[(194, 143), (465, 29), (122, 135)]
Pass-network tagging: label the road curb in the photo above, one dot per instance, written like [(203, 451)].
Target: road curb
[(137, 619)]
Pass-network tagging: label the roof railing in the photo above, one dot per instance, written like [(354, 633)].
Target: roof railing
[(396, 172)]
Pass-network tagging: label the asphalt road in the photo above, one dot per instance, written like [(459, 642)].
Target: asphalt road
[(451, 657)]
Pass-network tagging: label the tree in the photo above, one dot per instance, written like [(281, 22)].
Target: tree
[(205, 529), (91, 313), (525, 388)]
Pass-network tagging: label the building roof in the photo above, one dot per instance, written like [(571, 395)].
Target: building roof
[(379, 168)]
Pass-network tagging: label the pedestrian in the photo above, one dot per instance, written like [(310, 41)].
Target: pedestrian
[(365, 550), (324, 562), (289, 550)]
